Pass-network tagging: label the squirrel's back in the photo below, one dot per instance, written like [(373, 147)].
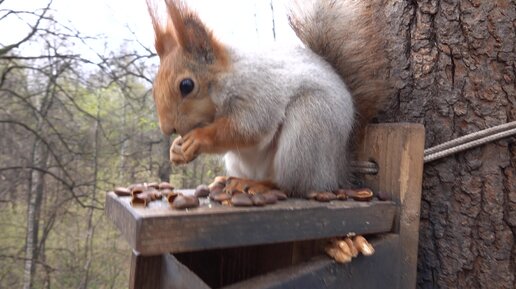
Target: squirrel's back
[(344, 34)]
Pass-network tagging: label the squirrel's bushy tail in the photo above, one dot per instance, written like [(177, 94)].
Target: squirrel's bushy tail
[(343, 32)]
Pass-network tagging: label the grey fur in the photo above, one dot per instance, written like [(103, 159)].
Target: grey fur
[(297, 101)]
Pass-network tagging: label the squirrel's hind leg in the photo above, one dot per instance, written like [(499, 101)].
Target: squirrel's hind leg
[(312, 150)]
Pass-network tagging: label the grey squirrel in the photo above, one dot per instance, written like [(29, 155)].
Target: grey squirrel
[(284, 117)]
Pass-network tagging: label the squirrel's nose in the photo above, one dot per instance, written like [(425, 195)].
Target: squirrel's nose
[(167, 130)]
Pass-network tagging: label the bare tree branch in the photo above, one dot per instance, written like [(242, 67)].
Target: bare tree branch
[(10, 47)]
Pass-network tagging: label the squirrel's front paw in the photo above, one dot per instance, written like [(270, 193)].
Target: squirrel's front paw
[(176, 152), (193, 144), (186, 149)]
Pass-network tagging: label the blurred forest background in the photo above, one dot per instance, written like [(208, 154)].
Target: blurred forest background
[(72, 128)]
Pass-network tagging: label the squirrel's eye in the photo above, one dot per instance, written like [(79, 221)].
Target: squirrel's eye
[(186, 86)]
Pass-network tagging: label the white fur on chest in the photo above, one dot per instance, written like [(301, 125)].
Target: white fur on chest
[(253, 163)]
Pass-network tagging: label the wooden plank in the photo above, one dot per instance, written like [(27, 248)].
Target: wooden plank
[(220, 267), (398, 150), (145, 272), (159, 229), (376, 271), (125, 220), (175, 275)]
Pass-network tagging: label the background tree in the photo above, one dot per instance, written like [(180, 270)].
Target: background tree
[(453, 66), (72, 128)]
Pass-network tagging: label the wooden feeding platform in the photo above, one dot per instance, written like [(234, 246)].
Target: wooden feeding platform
[(158, 228), (278, 246)]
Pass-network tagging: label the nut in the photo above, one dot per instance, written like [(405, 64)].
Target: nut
[(352, 248), (132, 186), (362, 195), (279, 194), (258, 200), (384, 196), (155, 194), (325, 196), (165, 186), (241, 200), (153, 185), (167, 192), (337, 254), (218, 183), (172, 196), (216, 187), (270, 198), (341, 194), (185, 202), (343, 245), (138, 189), (122, 192), (311, 195), (220, 179), (202, 191), (219, 196), (141, 199), (363, 246)]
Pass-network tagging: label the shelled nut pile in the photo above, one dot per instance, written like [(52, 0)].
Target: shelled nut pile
[(142, 194), (223, 191), (361, 195), (232, 192)]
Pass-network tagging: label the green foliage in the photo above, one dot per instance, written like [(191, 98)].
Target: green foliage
[(97, 136)]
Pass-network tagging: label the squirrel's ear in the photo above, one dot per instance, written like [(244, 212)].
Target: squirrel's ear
[(193, 36), (164, 36)]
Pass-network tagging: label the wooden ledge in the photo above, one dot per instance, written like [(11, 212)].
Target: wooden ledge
[(376, 271), (159, 229)]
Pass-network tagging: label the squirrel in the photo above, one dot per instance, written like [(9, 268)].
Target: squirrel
[(284, 117)]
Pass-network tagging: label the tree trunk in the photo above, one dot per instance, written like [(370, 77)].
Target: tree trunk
[(88, 243), (453, 66), (35, 199), (165, 168)]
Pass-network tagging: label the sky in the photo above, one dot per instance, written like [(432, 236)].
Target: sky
[(117, 23)]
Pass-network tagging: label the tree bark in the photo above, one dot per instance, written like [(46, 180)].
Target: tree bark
[(165, 168), (453, 67), (88, 243), (35, 199)]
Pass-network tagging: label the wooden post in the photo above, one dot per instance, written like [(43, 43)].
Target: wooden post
[(398, 150), (145, 271)]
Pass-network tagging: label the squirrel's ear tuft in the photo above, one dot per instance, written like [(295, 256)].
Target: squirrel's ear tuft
[(164, 35), (193, 36)]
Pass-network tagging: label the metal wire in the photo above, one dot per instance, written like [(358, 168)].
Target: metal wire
[(471, 137), (453, 150), (450, 147)]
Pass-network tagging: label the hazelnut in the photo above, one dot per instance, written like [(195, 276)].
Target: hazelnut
[(270, 198), (362, 195), (325, 196), (122, 192), (165, 186), (311, 195), (202, 191), (337, 254), (153, 185), (241, 200), (258, 200), (219, 196), (363, 246), (185, 202)]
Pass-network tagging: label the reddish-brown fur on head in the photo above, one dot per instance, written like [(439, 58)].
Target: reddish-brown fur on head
[(187, 50)]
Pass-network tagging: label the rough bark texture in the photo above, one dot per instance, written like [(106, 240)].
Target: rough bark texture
[(453, 66)]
